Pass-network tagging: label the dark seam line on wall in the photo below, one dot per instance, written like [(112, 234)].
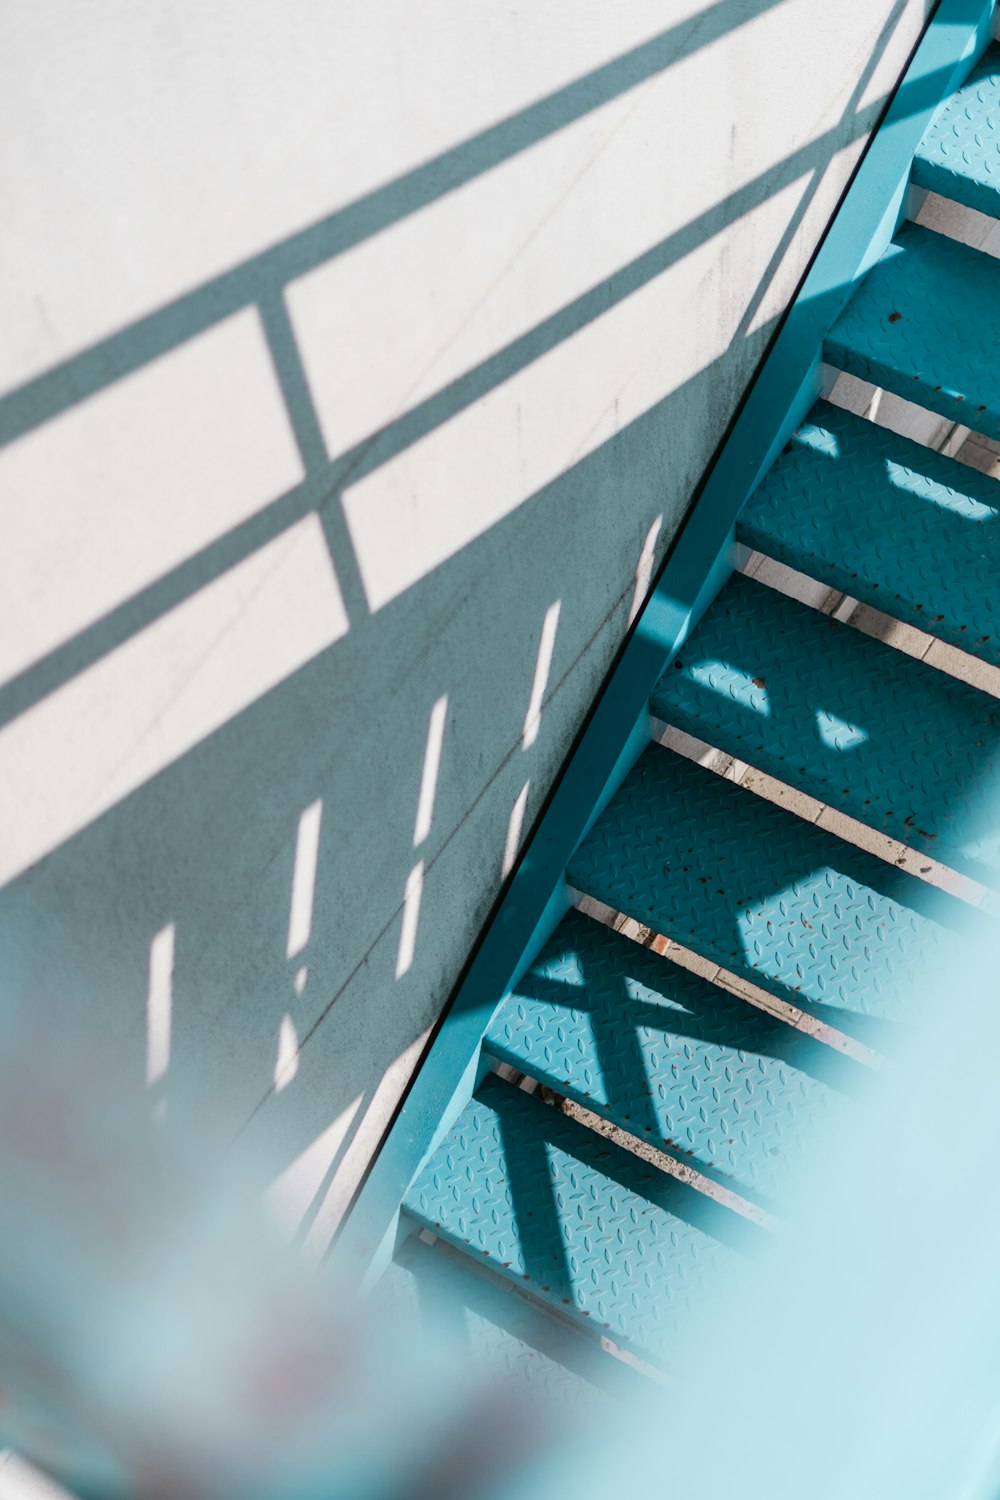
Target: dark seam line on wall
[(328, 476), (149, 337), (511, 756)]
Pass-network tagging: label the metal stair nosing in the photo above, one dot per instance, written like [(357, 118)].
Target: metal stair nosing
[(898, 329), (845, 719), (603, 1238), (666, 1056), (960, 156), (821, 924), (900, 552)]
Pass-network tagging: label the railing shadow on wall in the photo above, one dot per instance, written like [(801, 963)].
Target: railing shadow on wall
[(213, 832)]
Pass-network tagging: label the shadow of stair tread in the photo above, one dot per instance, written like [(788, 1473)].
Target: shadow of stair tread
[(874, 733), (502, 1338), (705, 1077), (611, 1242), (777, 901), (924, 324), (959, 157), (888, 521)]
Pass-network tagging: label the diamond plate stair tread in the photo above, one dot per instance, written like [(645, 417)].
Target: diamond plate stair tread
[(887, 521), (669, 1057), (750, 886), (585, 1226), (959, 157), (924, 324), (846, 719), (503, 1337)]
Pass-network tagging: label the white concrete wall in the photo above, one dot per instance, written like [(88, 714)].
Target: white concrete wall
[(358, 362)]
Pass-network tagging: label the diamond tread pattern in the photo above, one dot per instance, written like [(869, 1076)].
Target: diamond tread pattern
[(586, 1227), (566, 1216), (670, 1058), (750, 886), (846, 719), (505, 1339), (887, 521), (959, 157), (924, 324)]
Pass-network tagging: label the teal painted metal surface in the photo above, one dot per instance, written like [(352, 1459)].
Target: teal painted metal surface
[(960, 155), (697, 567), (924, 546), (818, 923), (590, 1230), (668, 1057), (876, 734), (504, 1339), (924, 325)]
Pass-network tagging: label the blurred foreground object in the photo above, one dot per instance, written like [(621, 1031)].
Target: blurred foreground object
[(158, 1338)]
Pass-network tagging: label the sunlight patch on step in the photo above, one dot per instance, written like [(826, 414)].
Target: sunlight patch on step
[(695, 963), (811, 810)]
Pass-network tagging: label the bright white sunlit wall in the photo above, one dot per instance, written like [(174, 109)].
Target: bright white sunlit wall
[(359, 361)]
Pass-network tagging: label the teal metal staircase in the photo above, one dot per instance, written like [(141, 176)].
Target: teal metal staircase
[(686, 975)]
